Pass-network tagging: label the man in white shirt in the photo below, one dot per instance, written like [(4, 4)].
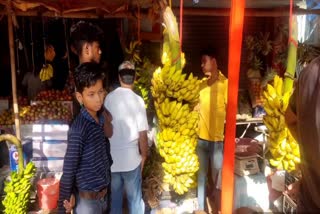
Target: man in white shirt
[(129, 145)]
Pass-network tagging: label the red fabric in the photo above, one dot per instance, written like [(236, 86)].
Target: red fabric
[(290, 22), (181, 19), (235, 42)]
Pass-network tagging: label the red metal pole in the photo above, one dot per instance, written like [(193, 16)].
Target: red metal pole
[(180, 21), (235, 41)]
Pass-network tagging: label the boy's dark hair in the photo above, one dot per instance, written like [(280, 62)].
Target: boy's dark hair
[(83, 32), (87, 74), (209, 51)]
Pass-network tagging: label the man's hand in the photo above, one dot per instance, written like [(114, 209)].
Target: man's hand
[(69, 205)]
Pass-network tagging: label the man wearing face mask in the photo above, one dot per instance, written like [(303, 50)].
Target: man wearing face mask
[(212, 111)]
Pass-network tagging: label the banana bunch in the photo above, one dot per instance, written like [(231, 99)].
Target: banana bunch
[(46, 72), (181, 162), (175, 94), (171, 82), (133, 51), (18, 191), (282, 146), (178, 117)]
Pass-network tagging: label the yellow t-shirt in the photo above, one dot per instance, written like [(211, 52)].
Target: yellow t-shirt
[(213, 103)]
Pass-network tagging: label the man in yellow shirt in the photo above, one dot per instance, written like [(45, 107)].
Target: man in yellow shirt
[(212, 109)]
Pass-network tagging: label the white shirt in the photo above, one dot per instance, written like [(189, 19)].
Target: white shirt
[(129, 118)]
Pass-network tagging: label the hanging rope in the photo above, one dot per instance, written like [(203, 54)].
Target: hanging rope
[(139, 22), (181, 17), (24, 43), (17, 41), (32, 47), (235, 42), (67, 43), (44, 41)]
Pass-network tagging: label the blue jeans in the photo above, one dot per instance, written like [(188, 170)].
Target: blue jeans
[(131, 182), (208, 151), (91, 206)]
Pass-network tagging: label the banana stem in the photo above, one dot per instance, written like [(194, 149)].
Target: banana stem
[(292, 57), (14, 140), (173, 36)]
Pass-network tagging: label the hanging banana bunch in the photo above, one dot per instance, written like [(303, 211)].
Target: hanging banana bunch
[(46, 72), (133, 51), (17, 189), (175, 94), (144, 70), (282, 146)]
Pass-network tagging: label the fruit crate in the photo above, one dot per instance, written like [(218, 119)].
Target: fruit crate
[(288, 204)]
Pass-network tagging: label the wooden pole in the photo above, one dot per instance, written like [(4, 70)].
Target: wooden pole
[(235, 42), (13, 71)]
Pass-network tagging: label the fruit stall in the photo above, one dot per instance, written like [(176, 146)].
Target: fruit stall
[(44, 126)]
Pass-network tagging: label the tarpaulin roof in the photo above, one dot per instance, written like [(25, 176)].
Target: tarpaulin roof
[(115, 6), (76, 5)]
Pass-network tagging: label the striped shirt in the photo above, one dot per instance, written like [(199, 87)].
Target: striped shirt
[(87, 161)]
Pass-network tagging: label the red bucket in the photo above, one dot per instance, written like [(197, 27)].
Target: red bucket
[(48, 193)]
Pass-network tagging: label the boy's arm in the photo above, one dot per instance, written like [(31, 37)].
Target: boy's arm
[(108, 129), (143, 146), (70, 167), (142, 122)]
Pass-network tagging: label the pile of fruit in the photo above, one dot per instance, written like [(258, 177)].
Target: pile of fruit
[(6, 117), (40, 112), (54, 95), (23, 101), (282, 146), (175, 96)]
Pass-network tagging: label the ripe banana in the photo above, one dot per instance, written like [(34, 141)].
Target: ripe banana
[(282, 146), (175, 94), (17, 190)]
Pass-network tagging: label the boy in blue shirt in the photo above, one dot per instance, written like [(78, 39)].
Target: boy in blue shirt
[(87, 161)]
